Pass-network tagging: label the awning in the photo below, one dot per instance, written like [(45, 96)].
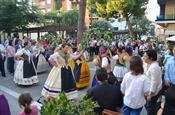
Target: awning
[(172, 38), (169, 32)]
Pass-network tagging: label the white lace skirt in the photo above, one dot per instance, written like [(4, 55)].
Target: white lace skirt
[(19, 76), (42, 64)]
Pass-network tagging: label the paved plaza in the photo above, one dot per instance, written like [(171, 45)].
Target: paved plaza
[(12, 90)]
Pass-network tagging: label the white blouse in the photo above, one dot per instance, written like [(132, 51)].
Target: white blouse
[(23, 51), (2, 48), (104, 62), (154, 77), (56, 55), (134, 88)]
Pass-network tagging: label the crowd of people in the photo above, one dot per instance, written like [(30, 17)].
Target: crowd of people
[(141, 75)]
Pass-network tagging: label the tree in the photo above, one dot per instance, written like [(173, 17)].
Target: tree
[(141, 25), (58, 4), (116, 8), (51, 18), (70, 18), (16, 14)]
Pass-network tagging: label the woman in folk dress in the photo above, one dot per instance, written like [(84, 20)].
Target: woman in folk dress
[(25, 73), (61, 77), (81, 69), (103, 61), (39, 60), (120, 68)]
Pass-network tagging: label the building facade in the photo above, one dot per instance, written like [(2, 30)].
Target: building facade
[(166, 19), (45, 5)]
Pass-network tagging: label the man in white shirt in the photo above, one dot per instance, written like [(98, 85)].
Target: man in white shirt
[(2, 59), (92, 46)]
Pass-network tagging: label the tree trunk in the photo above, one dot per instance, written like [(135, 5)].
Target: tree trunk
[(129, 27), (81, 20)]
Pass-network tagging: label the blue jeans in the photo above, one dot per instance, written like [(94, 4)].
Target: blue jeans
[(129, 111)]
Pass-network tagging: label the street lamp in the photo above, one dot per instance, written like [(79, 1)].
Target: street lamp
[(59, 15)]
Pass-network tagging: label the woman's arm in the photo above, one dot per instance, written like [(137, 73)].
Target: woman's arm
[(18, 55), (53, 62), (77, 56), (53, 59), (42, 49), (56, 49)]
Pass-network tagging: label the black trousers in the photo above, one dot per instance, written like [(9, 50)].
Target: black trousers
[(2, 60), (91, 51), (151, 104), (96, 50), (11, 64)]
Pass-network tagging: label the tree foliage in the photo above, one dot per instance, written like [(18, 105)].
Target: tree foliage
[(102, 35), (141, 25), (58, 4), (114, 8), (16, 14), (62, 106), (69, 18), (104, 25)]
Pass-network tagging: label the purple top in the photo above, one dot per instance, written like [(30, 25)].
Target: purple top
[(33, 112), (4, 106)]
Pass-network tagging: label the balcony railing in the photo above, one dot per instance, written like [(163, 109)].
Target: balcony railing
[(164, 1), (166, 17)]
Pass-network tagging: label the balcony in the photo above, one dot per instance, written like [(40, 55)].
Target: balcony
[(167, 17), (164, 1)]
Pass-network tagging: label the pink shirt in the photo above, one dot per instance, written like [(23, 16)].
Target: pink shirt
[(11, 51), (33, 112)]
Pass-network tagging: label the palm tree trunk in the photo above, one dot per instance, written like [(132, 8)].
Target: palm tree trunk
[(81, 20)]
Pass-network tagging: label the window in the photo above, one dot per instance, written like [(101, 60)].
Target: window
[(48, 10), (42, 3), (76, 6), (48, 1), (116, 28)]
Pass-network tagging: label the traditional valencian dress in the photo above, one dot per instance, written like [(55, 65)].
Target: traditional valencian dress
[(25, 73), (120, 69), (107, 63), (81, 71), (39, 60), (60, 78)]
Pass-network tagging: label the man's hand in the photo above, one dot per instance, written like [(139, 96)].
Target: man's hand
[(167, 83), (149, 97)]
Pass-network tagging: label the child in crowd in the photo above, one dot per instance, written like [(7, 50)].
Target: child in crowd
[(25, 101), (112, 80), (134, 87)]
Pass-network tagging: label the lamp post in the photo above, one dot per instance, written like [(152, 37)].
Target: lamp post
[(59, 15)]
